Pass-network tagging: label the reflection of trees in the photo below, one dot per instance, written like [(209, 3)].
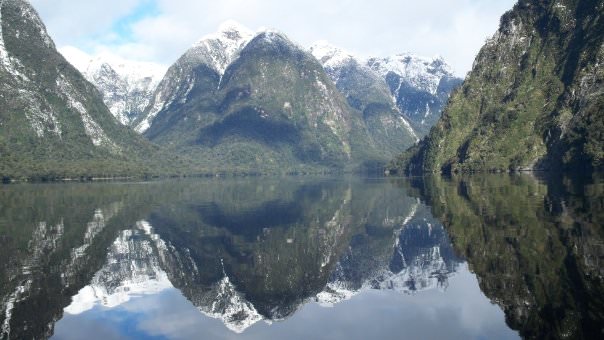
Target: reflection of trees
[(536, 246), (52, 240)]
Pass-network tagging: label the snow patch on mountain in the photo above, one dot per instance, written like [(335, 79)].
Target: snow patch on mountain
[(91, 127), (329, 55), (3, 52), (10, 64)]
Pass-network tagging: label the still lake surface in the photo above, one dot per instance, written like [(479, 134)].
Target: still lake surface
[(480, 257)]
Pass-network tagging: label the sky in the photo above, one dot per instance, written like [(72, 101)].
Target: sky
[(161, 30)]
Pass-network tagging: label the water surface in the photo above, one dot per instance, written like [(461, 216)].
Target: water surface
[(497, 257)]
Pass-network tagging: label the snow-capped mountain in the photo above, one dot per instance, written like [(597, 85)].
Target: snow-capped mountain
[(330, 56), (126, 86), (220, 49), (421, 86), (365, 90), (214, 51), (422, 73), (418, 87)]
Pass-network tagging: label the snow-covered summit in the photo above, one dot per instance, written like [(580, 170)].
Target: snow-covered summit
[(126, 69), (420, 72), (221, 48), (329, 55), (126, 85)]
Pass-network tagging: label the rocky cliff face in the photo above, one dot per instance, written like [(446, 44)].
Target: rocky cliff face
[(533, 99)]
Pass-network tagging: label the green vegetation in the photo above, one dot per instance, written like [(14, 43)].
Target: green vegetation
[(532, 101)]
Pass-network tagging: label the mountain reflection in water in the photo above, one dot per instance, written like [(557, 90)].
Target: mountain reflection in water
[(265, 257)]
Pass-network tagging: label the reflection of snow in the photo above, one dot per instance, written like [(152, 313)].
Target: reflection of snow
[(132, 270), (44, 241), (423, 268), (231, 308)]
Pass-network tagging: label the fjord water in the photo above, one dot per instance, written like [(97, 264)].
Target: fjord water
[(495, 257)]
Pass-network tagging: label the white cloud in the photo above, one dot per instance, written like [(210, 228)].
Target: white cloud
[(454, 29)]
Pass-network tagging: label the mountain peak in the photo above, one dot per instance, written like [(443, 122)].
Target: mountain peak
[(229, 32), (126, 85), (219, 49), (330, 55), (232, 26), (272, 35)]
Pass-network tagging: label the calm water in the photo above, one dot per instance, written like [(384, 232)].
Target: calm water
[(483, 257)]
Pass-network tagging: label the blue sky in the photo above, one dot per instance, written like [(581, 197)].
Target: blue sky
[(122, 26), (161, 30)]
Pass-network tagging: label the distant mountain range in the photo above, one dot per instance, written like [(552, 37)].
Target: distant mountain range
[(240, 101), (419, 87), (236, 101)]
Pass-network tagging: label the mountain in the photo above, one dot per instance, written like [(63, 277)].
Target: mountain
[(533, 100), (413, 89), (53, 123), (126, 86), (367, 92), (257, 101), (208, 58), (421, 86)]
